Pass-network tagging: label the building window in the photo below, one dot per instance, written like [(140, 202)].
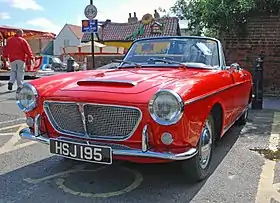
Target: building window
[(156, 28), (66, 43)]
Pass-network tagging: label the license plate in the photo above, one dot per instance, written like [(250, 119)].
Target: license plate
[(81, 152)]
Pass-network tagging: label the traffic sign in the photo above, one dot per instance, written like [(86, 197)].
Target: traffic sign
[(90, 26), (90, 12)]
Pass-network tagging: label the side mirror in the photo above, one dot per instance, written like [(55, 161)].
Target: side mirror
[(236, 66), (233, 67)]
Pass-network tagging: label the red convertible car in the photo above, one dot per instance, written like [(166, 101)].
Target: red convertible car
[(168, 100)]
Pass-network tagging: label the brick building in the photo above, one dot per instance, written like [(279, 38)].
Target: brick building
[(262, 34)]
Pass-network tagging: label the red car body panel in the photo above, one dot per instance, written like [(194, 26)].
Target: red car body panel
[(200, 90)]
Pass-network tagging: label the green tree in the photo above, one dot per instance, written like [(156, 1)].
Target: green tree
[(221, 15)]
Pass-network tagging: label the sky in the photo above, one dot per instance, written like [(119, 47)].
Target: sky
[(51, 15)]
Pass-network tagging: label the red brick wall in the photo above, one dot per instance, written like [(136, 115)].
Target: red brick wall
[(262, 35)]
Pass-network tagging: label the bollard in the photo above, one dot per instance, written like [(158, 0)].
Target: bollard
[(257, 98)]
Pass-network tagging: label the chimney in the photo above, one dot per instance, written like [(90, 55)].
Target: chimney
[(129, 18), (134, 19)]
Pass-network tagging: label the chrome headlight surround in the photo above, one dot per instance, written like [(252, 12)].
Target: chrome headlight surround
[(31, 91), (175, 116)]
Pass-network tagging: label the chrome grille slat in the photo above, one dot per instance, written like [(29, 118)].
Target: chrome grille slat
[(110, 121), (67, 117), (96, 121)]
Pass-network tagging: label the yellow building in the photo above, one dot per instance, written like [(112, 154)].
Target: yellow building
[(123, 34)]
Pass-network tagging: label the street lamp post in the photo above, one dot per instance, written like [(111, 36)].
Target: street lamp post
[(90, 26), (92, 44)]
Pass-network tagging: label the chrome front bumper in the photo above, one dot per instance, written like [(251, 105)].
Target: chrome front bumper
[(144, 152)]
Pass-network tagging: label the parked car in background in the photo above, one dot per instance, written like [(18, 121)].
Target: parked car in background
[(54, 63), (169, 100)]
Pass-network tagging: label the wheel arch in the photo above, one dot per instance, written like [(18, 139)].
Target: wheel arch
[(250, 96), (217, 112)]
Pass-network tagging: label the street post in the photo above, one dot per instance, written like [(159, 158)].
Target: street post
[(90, 26)]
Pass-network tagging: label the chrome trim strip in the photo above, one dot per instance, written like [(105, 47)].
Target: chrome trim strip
[(37, 125), (220, 54), (82, 135), (129, 82), (81, 110), (219, 44), (164, 155), (26, 134), (145, 139), (190, 101)]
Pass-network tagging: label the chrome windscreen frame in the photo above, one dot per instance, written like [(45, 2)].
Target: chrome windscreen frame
[(86, 135)]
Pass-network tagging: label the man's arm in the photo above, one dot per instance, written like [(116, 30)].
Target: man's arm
[(27, 49), (6, 51)]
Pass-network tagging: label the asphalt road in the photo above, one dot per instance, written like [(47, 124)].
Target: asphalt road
[(28, 173)]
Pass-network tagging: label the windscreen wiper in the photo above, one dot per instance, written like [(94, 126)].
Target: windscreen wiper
[(128, 62), (167, 61)]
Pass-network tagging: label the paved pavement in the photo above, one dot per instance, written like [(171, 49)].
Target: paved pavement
[(28, 173)]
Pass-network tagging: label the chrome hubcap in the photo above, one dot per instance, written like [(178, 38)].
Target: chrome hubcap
[(205, 145)]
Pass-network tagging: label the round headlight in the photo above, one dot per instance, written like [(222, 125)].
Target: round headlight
[(166, 107), (27, 97)]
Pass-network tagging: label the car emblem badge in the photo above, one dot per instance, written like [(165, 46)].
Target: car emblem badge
[(90, 118)]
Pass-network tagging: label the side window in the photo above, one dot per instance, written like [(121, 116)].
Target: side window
[(50, 61), (66, 43)]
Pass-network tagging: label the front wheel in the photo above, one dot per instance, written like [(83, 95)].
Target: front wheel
[(198, 168)]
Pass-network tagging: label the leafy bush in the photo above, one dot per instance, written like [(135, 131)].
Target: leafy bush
[(222, 15)]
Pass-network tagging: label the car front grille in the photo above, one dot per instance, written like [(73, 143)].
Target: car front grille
[(93, 120)]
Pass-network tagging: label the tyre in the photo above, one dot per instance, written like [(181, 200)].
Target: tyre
[(198, 168), (244, 118)]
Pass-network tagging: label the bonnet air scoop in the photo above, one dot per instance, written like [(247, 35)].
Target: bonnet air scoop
[(115, 83)]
